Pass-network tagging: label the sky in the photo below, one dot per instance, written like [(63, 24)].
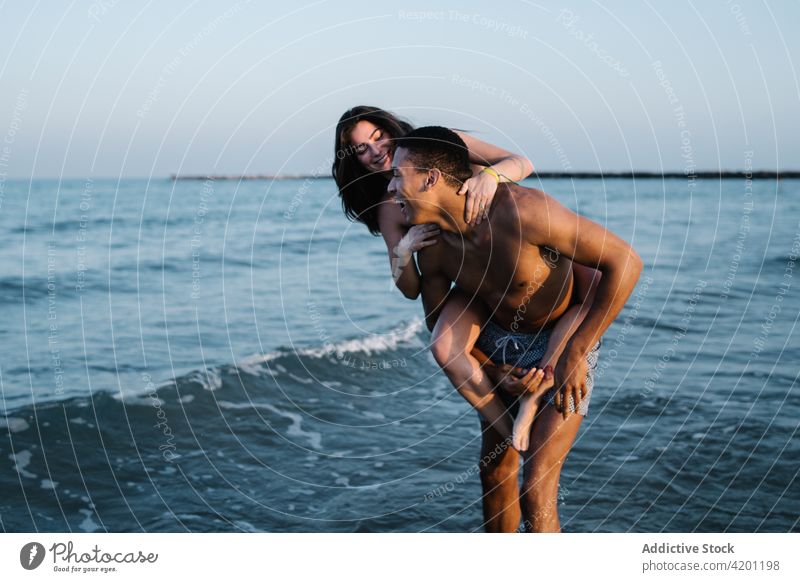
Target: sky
[(133, 89)]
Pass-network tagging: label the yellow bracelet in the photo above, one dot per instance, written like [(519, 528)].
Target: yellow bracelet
[(492, 172)]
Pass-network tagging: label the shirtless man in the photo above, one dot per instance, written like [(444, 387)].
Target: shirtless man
[(518, 266)]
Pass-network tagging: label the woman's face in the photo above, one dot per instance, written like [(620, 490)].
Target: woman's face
[(372, 146)]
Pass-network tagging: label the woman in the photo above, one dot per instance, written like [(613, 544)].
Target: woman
[(362, 170)]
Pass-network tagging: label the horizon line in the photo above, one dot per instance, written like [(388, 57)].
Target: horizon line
[(578, 174), (631, 174)]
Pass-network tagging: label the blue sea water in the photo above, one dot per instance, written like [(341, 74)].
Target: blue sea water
[(232, 356)]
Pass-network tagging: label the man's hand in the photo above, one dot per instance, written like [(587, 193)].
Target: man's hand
[(570, 379), (517, 381)]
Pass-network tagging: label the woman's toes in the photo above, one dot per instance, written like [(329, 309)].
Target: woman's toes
[(517, 441)]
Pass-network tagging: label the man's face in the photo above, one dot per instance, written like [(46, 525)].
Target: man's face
[(408, 188)]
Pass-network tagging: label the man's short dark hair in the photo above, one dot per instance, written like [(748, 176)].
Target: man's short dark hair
[(438, 147)]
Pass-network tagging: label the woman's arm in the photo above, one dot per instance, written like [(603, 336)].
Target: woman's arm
[(509, 166), (401, 243), (496, 165), (585, 286)]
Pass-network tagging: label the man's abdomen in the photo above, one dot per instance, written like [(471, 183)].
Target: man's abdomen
[(534, 307)]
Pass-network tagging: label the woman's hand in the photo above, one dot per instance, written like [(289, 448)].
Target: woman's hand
[(517, 381), (418, 237), (480, 191)]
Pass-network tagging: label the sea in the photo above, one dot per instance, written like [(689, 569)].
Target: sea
[(228, 356)]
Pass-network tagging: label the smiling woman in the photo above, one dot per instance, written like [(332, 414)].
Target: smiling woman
[(373, 146), (360, 186)]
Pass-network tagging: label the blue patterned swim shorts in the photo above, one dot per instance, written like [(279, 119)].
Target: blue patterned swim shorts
[(525, 350)]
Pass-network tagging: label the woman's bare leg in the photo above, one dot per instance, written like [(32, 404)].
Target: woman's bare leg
[(452, 341)]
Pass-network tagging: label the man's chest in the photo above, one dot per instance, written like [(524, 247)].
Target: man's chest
[(500, 274)]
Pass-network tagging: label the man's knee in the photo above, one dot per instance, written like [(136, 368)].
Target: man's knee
[(443, 351), (455, 364), (498, 476), (499, 469)]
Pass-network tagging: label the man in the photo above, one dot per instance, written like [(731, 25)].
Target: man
[(517, 264)]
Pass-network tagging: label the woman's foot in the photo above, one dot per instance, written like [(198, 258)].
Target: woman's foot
[(537, 382)]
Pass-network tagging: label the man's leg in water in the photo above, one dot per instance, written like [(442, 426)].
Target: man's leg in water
[(499, 470), (551, 441)]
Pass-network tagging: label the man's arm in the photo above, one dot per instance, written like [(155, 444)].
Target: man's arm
[(546, 222), (435, 285)]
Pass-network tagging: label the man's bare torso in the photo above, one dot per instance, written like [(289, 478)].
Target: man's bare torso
[(525, 286)]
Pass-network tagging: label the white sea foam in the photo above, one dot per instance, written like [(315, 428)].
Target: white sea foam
[(301, 491), (88, 524), (209, 379), (14, 424), (368, 345), (301, 380), (296, 421), (21, 460), (374, 415)]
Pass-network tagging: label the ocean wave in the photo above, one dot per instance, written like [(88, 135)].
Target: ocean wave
[(302, 367), (405, 334)]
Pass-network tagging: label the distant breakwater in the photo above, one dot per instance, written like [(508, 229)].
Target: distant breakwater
[(635, 175)]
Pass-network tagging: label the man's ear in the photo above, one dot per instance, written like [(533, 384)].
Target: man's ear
[(433, 177)]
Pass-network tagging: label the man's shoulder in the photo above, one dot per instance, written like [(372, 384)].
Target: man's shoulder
[(520, 204), (522, 194)]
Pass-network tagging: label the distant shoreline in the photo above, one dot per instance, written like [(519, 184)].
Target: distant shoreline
[(754, 175)]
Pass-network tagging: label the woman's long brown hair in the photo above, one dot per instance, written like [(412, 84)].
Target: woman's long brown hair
[(361, 190)]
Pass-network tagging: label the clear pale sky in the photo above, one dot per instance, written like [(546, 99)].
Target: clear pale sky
[(140, 89)]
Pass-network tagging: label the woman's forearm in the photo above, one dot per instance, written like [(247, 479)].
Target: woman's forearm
[(405, 274), (513, 168), (563, 330), (586, 281)]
